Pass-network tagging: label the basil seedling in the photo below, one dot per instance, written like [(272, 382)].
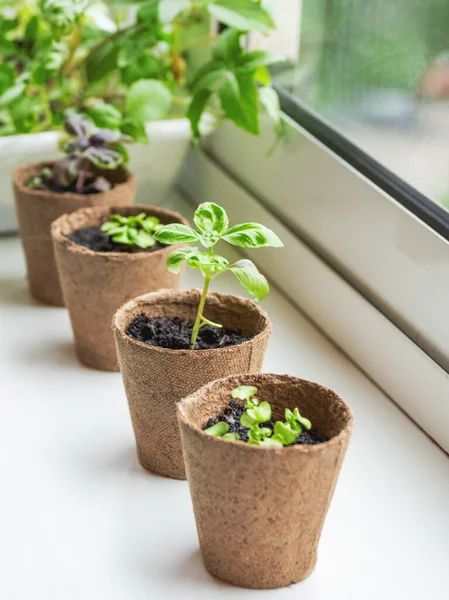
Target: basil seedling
[(134, 230), (212, 226), (287, 433), (220, 430), (88, 151), (256, 414)]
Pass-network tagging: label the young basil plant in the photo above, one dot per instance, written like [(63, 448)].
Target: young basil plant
[(287, 433), (212, 225), (134, 230), (88, 151), (257, 413), (220, 430)]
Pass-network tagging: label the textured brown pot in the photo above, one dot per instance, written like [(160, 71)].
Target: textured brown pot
[(96, 284), (156, 378), (37, 209), (259, 511)]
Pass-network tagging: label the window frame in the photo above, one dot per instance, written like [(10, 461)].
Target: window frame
[(233, 171), (420, 205)]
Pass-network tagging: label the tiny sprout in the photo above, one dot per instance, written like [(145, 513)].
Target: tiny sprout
[(134, 230), (244, 392), (257, 413), (212, 225), (295, 420), (217, 430), (220, 430)]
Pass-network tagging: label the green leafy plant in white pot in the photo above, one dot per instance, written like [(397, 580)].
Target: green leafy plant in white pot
[(156, 70)]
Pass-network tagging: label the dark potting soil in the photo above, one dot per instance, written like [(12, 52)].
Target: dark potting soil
[(71, 189), (232, 413), (172, 332), (94, 239)]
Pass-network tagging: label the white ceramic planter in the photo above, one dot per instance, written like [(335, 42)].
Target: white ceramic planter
[(155, 165)]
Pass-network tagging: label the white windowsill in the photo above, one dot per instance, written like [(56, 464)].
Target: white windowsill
[(80, 519)]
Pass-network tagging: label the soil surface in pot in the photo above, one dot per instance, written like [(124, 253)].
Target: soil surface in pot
[(232, 413), (94, 239), (71, 189), (173, 333)]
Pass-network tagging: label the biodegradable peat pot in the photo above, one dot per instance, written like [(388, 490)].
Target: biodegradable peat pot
[(96, 284), (259, 511), (37, 209), (156, 378)]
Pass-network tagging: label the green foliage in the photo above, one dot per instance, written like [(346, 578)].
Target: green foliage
[(244, 392), (259, 413), (56, 55), (245, 15), (220, 430), (213, 225), (256, 419), (133, 230), (148, 100), (232, 76)]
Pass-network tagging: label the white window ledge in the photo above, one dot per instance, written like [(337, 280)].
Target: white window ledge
[(81, 519)]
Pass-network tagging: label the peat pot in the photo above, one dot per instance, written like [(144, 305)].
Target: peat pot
[(259, 511), (37, 209), (156, 378), (96, 284)]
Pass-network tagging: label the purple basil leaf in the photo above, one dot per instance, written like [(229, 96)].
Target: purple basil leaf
[(104, 136), (77, 125), (100, 184), (104, 158)]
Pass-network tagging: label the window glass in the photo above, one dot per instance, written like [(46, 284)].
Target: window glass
[(379, 72)]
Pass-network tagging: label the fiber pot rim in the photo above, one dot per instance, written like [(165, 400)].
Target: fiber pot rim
[(20, 173), (93, 211), (248, 379), (126, 312)]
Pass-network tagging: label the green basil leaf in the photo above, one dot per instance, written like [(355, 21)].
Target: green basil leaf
[(176, 233), (283, 432), (196, 109), (239, 101), (246, 420), (259, 58), (302, 420), (217, 430), (251, 235), (262, 76), (251, 280), (144, 239), (228, 48), (244, 392), (272, 442), (264, 412), (212, 65), (135, 129), (101, 62), (209, 264), (149, 224), (218, 79), (231, 436), (211, 218), (244, 15), (177, 257), (148, 100)]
